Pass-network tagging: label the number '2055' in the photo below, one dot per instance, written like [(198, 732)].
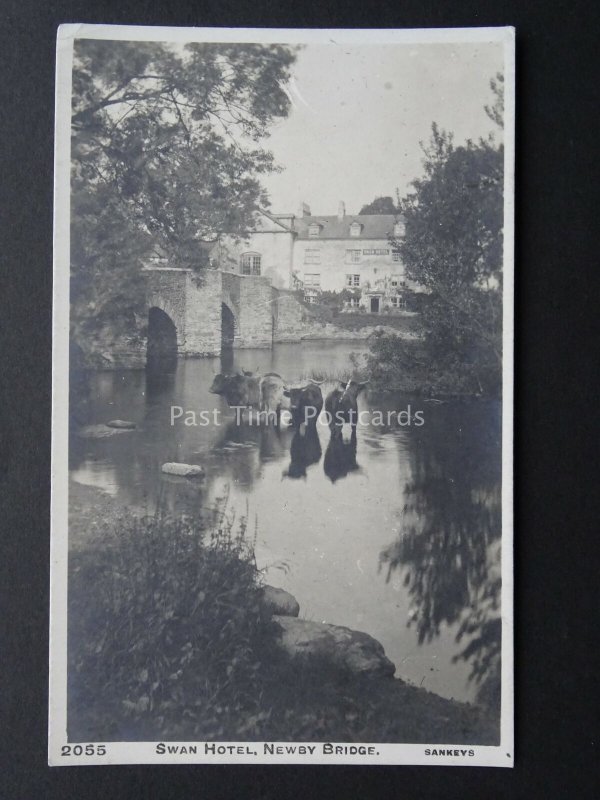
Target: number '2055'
[(83, 749)]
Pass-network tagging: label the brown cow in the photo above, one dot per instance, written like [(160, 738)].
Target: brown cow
[(272, 387), (238, 390), (252, 391)]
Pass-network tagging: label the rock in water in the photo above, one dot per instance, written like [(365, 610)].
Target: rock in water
[(278, 601), (122, 424), (349, 649), (184, 470), (99, 431)]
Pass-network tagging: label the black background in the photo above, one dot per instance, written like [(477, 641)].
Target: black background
[(556, 429)]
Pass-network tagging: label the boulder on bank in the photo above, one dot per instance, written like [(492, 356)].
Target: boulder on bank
[(183, 470), (121, 424), (352, 650), (99, 431), (279, 602)]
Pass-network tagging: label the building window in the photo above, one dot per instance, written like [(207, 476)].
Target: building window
[(312, 256), (250, 264), (355, 229), (353, 280), (398, 302), (376, 252), (395, 255), (354, 302), (353, 256), (314, 230), (312, 280)]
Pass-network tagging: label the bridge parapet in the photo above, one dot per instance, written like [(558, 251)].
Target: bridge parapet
[(194, 304)]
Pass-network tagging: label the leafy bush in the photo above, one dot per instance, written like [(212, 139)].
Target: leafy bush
[(420, 367), (164, 624)]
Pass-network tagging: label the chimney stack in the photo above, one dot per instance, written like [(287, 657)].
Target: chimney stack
[(341, 210), (304, 210)]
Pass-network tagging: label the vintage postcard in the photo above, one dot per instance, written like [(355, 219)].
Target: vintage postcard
[(282, 397)]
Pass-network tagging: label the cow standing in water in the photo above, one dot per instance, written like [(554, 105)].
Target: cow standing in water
[(239, 390), (252, 391), (272, 390), (306, 403), (342, 407)]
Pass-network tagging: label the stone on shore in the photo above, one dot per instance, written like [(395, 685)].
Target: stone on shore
[(183, 470), (279, 602), (122, 424), (99, 431), (343, 647)]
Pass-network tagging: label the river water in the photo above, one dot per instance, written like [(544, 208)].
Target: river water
[(398, 537)]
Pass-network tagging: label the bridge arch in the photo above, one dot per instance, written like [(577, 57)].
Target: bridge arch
[(215, 311), (162, 341), (228, 327)]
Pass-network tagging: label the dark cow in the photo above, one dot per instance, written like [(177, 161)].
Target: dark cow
[(340, 457), (341, 405), (238, 390), (304, 451), (306, 403), (252, 391)]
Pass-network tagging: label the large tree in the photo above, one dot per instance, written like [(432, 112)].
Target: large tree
[(166, 154)]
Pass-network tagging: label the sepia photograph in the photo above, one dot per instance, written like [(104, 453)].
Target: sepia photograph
[(282, 397)]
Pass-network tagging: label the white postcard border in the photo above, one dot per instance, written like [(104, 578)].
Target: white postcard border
[(254, 752)]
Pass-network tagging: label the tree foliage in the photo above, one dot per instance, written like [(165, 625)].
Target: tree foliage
[(453, 247), (166, 154), (381, 205)]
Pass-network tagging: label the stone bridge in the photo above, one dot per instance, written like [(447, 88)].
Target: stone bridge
[(203, 315)]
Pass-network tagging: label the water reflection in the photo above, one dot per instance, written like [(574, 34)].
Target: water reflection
[(158, 382), (448, 551), (305, 450), (340, 456), (424, 502)]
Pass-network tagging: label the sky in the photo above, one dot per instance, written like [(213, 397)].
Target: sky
[(359, 113)]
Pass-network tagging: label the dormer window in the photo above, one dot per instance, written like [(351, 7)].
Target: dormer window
[(355, 229), (314, 230)]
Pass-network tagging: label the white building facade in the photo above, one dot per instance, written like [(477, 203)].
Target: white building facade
[(326, 254)]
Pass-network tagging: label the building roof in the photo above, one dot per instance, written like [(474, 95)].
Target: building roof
[(278, 219), (374, 226)]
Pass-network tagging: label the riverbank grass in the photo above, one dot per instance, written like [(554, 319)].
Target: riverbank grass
[(164, 626)]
